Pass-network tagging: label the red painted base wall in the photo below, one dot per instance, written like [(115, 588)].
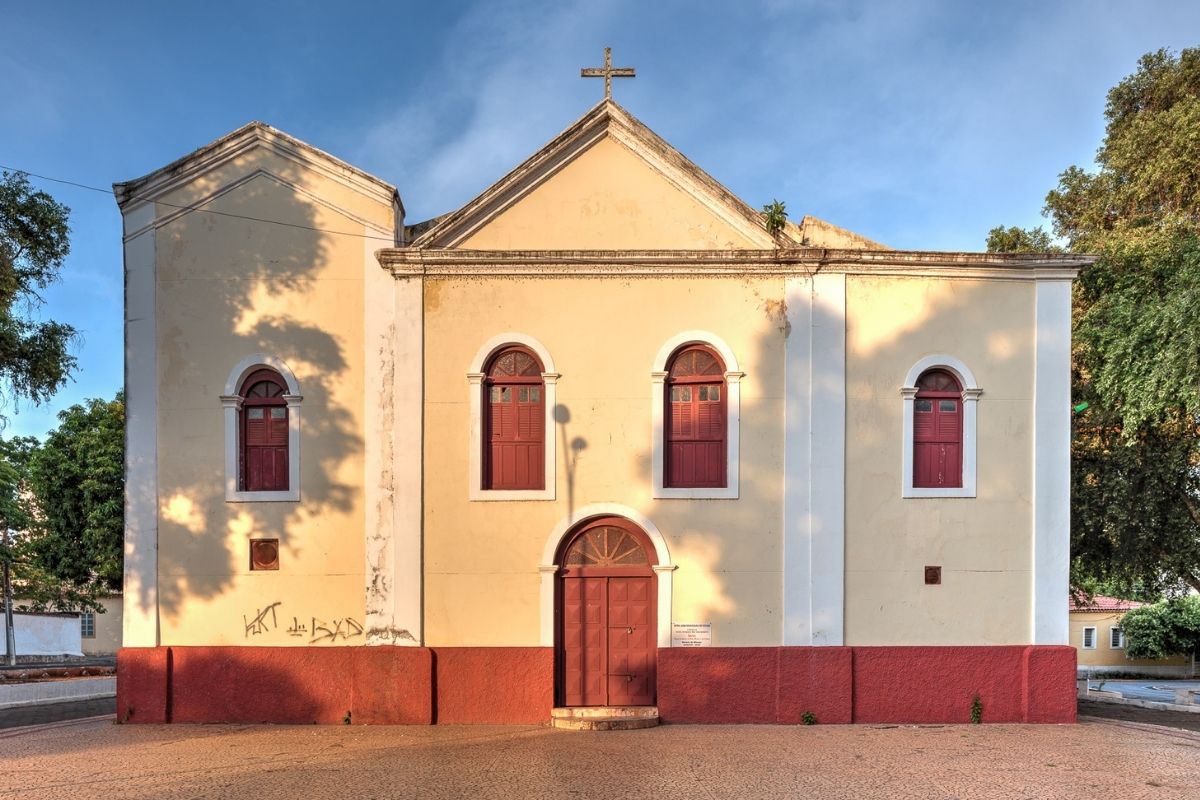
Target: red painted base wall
[(375, 685), (494, 685), (866, 684), (410, 685)]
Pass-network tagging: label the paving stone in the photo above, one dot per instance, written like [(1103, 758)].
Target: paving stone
[(1088, 760)]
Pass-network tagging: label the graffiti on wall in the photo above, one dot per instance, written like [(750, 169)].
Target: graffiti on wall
[(314, 629)]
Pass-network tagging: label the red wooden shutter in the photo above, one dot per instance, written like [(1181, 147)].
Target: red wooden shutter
[(514, 422), (937, 431), (264, 457), (694, 432)]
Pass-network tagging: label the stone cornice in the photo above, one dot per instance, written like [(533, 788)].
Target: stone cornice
[(414, 262)]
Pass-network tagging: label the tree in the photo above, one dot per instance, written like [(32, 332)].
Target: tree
[(78, 479), (34, 357), (1161, 630), (14, 516), (1136, 447), (1020, 240)]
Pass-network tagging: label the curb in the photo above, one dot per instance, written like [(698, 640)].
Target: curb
[(49, 701), (22, 695), (1108, 697), (8, 733), (1165, 730)]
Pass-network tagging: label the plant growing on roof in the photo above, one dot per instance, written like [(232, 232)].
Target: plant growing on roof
[(776, 216)]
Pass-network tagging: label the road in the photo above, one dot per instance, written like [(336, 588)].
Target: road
[(1159, 690), (56, 712)]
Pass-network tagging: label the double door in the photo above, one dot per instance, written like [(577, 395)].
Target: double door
[(608, 646)]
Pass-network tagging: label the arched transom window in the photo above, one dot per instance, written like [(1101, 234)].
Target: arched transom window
[(264, 433), (938, 431), (695, 429), (514, 422), (606, 546)]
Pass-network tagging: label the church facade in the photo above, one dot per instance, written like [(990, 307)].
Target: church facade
[(603, 437)]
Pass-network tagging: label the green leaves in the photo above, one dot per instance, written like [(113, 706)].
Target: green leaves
[(776, 216), (1169, 628), (1141, 333), (34, 356), (1136, 446), (64, 500), (1148, 160), (78, 477), (1020, 240)]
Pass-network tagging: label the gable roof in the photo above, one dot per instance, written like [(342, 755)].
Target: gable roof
[(230, 146), (605, 119)]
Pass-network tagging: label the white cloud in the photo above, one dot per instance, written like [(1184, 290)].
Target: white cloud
[(504, 85)]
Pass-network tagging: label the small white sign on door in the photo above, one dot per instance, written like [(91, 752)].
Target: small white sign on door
[(691, 634)]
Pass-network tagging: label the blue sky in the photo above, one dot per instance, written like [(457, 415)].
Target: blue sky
[(919, 124)]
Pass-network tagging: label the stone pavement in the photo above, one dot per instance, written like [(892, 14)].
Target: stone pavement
[(1092, 759)]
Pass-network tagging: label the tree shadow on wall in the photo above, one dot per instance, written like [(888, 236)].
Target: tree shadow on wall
[(229, 287), (731, 556)]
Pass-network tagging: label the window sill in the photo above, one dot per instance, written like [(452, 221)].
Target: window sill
[(920, 491), (695, 493), (290, 495), (502, 495)]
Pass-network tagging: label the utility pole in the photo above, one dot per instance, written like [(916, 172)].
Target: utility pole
[(10, 636)]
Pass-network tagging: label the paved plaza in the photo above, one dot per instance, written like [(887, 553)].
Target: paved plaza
[(98, 759)]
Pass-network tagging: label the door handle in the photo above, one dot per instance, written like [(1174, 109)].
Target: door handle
[(629, 630)]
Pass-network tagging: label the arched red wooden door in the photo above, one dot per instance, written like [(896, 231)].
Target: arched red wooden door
[(607, 595)]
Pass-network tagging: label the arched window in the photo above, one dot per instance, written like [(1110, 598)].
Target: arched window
[(264, 463), (695, 419), (514, 436), (937, 431), (940, 415), (262, 431)]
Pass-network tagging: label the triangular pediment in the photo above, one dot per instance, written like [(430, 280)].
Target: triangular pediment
[(606, 183)]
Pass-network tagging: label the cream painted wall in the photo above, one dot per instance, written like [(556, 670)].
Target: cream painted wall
[(607, 199), (107, 640), (1102, 655), (227, 288), (482, 558), (982, 544)]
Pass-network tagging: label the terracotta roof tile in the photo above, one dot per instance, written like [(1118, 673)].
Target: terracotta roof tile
[(1100, 602)]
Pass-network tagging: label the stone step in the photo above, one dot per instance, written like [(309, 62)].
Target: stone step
[(604, 718)]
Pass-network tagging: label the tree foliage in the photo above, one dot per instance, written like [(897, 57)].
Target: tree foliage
[(1161, 630), (77, 478), (34, 356), (1020, 240), (1136, 448)]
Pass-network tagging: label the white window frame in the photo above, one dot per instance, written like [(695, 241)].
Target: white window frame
[(733, 412), (970, 396), (1083, 643), (475, 376), (1120, 645), (87, 619), (232, 403)]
